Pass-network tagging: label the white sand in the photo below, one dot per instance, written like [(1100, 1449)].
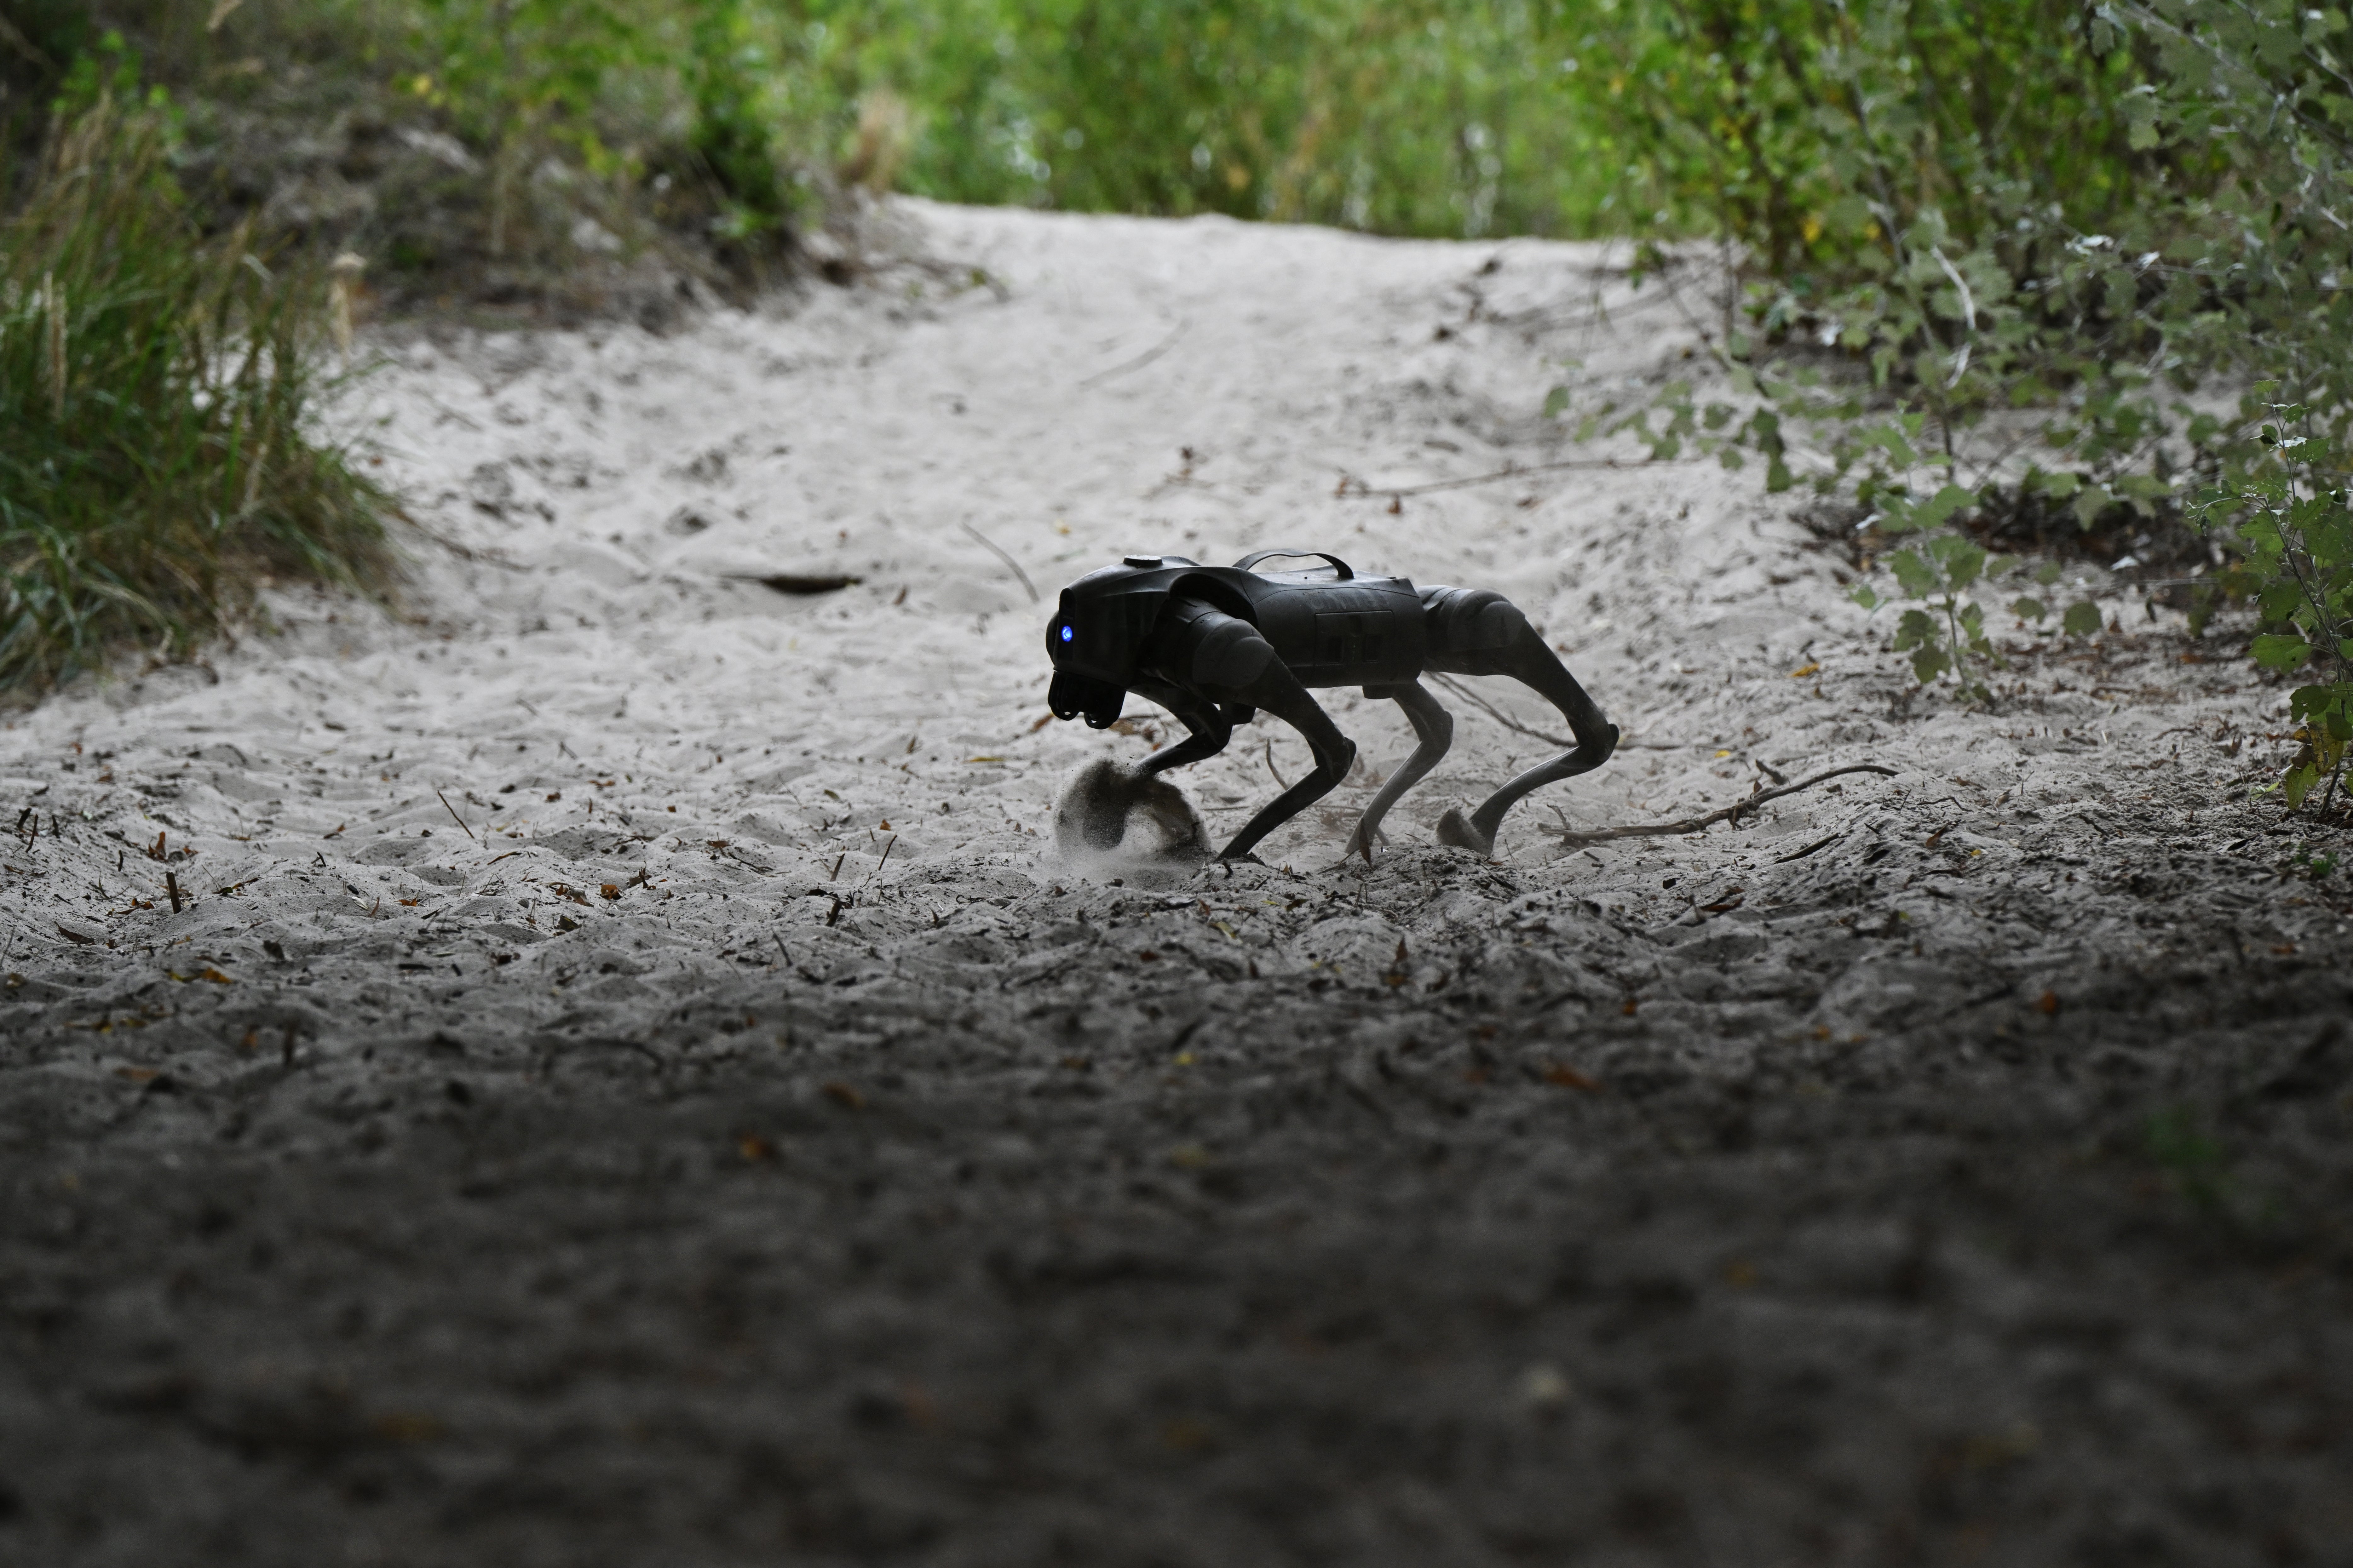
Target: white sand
[(741, 751), (743, 1131)]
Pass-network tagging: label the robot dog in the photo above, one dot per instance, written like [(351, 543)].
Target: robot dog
[(1214, 644)]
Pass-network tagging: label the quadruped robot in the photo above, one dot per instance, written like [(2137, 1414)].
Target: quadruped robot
[(1213, 644)]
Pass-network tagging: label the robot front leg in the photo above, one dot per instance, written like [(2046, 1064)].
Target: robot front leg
[(1096, 815), (1212, 727), (1225, 659), (1280, 693), (1473, 632)]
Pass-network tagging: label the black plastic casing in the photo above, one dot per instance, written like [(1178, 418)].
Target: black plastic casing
[(1329, 630)]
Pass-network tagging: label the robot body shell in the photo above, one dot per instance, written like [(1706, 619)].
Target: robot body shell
[(1357, 631)]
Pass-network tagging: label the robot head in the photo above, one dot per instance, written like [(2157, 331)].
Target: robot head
[(1073, 693), (1099, 631)]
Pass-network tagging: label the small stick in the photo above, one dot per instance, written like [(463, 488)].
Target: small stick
[(458, 819), (893, 844), (171, 886), (1508, 723), (1497, 714), (1571, 836), (1394, 493), (1140, 361), (1007, 559), (1817, 844), (1279, 779)]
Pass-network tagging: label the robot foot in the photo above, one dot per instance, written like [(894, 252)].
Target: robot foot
[(1460, 832)]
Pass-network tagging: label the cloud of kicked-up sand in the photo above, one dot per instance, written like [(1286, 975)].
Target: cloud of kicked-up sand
[(1110, 819)]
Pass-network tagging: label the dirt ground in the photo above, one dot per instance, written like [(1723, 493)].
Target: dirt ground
[(631, 1081)]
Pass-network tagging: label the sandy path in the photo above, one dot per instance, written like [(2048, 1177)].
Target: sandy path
[(742, 1134)]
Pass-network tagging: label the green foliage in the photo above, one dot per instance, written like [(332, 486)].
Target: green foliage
[(1402, 116), (155, 454), (505, 67), (2010, 253), (40, 40), (732, 133), (2312, 866), (1405, 116), (1823, 135), (516, 77), (109, 68)]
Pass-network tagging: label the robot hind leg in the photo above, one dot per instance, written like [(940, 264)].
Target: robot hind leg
[(1473, 632), (1433, 726)]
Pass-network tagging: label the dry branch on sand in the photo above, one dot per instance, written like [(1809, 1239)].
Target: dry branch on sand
[(1573, 837)]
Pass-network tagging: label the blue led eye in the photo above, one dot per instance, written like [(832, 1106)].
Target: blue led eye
[(1066, 633)]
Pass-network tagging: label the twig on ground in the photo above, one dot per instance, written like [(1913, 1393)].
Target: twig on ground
[(1280, 781), (1140, 361), (1595, 316), (453, 815), (1817, 844), (799, 583), (23, 46), (1000, 554), (462, 551), (1508, 723), (1497, 714), (1351, 486), (448, 413), (1571, 836)]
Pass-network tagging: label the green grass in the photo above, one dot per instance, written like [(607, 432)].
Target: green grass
[(157, 455)]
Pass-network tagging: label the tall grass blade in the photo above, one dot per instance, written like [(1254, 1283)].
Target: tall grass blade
[(158, 453)]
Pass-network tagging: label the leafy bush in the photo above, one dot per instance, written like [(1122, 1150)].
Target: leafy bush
[(1403, 117), (1820, 134), (2269, 83), (2016, 258), (498, 153), (156, 459), (732, 121)]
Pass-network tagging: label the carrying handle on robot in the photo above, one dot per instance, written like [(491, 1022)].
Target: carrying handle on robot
[(1338, 566)]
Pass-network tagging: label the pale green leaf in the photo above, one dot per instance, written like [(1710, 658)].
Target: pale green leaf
[(2280, 651)]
